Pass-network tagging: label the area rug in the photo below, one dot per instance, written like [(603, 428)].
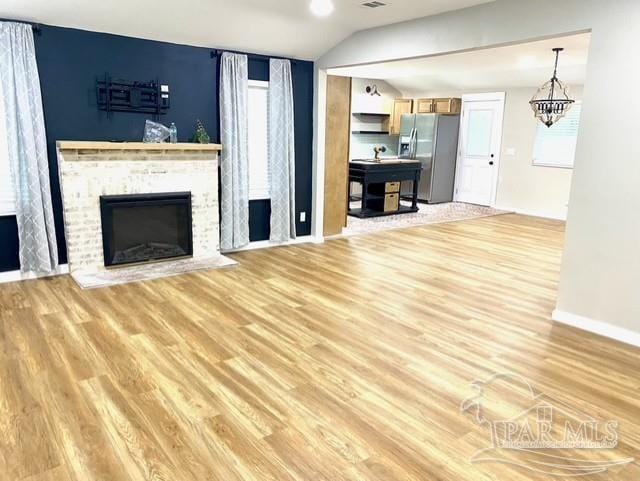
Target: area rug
[(428, 214), (124, 275)]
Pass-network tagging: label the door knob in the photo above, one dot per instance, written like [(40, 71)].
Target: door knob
[(492, 156), (491, 162)]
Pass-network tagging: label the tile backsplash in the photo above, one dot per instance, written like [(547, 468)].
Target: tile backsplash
[(362, 145)]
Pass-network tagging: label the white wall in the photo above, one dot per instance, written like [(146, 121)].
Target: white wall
[(523, 187), (361, 101), (362, 144), (601, 264)]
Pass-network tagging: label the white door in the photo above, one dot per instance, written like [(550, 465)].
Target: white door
[(479, 149)]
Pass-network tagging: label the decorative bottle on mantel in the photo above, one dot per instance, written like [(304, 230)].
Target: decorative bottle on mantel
[(173, 133)]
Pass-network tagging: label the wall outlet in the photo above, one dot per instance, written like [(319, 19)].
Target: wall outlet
[(303, 217)]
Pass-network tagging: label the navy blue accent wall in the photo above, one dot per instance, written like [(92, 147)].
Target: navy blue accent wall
[(8, 244), (69, 61), (259, 216)]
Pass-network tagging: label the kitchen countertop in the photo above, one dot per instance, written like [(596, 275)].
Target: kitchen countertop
[(383, 161), (376, 178)]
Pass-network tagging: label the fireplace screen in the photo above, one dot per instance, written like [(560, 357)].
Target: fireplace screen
[(147, 227)]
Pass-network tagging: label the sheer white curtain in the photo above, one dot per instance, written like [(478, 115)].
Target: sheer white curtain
[(234, 163), (281, 151), (27, 148)]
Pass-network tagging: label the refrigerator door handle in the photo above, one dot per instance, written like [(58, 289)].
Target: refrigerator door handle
[(434, 147), (414, 142)]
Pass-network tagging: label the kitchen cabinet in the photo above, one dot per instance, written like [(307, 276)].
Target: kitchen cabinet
[(448, 105), (424, 106), (400, 107)]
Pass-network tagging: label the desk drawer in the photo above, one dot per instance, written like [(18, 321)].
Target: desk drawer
[(382, 188), (391, 202), (391, 187)]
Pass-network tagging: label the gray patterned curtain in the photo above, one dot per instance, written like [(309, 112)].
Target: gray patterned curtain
[(281, 152), (27, 147), (234, 164)]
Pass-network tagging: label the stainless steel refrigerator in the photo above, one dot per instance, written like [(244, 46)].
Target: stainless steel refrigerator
[(433, 140)]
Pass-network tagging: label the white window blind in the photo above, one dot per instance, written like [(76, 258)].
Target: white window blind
[(259, 174), (7, 197), (555, 146)]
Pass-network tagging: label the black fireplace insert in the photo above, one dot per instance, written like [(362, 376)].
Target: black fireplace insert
[(146, 227)]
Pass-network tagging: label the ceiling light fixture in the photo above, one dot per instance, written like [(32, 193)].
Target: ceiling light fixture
[(321, 8), (372, 90), (551, 102)]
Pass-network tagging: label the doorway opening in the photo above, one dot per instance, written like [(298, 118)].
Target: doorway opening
[(494, 168)]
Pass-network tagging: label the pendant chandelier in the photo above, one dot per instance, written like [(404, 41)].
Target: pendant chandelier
[(551, 102)]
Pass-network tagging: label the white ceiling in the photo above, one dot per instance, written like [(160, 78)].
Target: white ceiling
[(278, 27), (524, 65)]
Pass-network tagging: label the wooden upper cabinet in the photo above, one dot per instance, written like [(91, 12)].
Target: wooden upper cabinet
[(400, 107), (424, 106), (447, 106), (439, 106)]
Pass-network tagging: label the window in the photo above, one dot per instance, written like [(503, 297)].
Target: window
[(259, 173), (555, 146), (7, 197)]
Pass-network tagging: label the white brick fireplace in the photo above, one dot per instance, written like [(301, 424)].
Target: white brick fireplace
[(89, 170)]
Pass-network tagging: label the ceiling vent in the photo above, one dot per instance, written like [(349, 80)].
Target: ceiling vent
[(373, 4)]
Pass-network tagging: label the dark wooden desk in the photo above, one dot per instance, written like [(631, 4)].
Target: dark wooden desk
[(370, 173)]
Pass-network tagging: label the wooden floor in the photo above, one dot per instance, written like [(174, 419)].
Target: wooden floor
[(342, 361)]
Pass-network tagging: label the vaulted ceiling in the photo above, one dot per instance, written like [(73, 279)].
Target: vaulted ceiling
[(278, 27), (522, 65)]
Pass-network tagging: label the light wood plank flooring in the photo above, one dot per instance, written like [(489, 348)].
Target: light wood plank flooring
[(345, 361)]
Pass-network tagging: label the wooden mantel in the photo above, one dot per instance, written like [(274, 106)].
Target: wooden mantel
[(141, 147)]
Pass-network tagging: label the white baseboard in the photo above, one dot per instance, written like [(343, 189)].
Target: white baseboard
[(307, 239), (16, 276), (597, 327), (534, 212)]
